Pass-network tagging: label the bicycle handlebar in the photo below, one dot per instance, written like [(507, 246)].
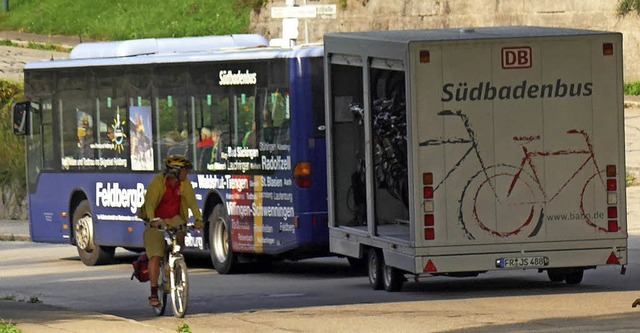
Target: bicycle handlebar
[(169, 228)]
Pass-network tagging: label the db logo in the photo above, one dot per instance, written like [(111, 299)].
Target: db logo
[(516, 57)]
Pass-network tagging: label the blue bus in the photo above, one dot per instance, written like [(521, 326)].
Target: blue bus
[(250, 117)]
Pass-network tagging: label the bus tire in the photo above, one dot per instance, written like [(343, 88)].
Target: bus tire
[(90, 253), (224, 260), (375, 264)]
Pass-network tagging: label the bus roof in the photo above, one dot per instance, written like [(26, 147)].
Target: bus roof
[(175, 50)]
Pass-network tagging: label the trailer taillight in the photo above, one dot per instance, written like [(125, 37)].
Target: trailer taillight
[(427, 194), (612, 199), (607, 49), (302, 175), (429, 233), (425, 57), (428, 220)]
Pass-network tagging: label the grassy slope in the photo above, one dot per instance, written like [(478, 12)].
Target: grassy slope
[(126, 19)]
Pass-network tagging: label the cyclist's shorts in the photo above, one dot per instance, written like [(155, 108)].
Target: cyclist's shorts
[(154, 243)]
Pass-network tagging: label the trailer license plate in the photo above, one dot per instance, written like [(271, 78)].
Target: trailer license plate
[(523, 262)]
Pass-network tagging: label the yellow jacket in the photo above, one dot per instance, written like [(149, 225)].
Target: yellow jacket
[(154, 194)]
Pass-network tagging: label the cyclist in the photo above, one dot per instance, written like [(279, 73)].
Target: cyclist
[(169, 197)]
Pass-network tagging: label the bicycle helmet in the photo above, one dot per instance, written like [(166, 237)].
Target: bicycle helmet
[(177, 163)]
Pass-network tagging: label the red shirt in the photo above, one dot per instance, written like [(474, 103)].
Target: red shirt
[(170, 203), (208, 142)]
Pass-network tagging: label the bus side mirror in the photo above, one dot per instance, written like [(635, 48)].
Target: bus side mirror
[(20, 118)]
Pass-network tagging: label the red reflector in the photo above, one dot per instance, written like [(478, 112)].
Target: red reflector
[(302, 175), (611, 171), (612, 185), (429, 233), (427, 178), (428, 192), (613, 226), (607, 49), (425, 57), (430, 267), (612, 212), (428, 220), (613, 260)]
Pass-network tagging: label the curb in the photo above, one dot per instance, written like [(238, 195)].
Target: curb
[(14, 238)]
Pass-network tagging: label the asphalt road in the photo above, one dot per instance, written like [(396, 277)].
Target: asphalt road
[(320, 295)]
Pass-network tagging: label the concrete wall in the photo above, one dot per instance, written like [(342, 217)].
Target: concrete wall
[(361, 15)]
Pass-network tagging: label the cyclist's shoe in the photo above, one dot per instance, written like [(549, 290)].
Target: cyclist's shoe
[(154, 301)]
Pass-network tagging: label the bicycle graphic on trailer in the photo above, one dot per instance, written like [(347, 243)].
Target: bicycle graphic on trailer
[(519, 193)]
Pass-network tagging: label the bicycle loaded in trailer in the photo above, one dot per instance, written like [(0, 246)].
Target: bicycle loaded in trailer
[(456, 152)]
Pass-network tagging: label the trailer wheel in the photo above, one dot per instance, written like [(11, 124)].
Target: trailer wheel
[(392, 278), (575, 276), (224, 260), (90, 253), (555, 275), (375, 266)]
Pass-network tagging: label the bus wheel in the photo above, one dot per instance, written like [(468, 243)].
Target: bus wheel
[(225, 261), (374, 267), (90, 253)]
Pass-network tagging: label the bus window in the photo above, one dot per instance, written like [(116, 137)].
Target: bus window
[(173, 113), (212, 116), (140, 133), (78, 132), (279, 108), (244, 112), (113, 139)]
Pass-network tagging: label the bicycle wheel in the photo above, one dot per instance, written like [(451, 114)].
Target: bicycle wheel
[(163, 287), (179, 288), (492, 205), (593, 201)]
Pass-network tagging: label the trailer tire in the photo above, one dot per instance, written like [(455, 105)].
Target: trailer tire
[(224, 260), (574, 276), (90, 253), (392, 278), (555, 275), (375, 264)]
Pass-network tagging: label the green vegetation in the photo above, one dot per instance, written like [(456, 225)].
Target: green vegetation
[(121, 19), (182, 328), (12, 150), (632, 88), (8, 327), (627, 6)]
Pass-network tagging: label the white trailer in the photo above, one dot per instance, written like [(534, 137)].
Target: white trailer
[(460, 151)]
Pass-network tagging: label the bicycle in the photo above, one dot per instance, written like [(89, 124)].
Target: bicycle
[(518, 192), (174, 278)]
